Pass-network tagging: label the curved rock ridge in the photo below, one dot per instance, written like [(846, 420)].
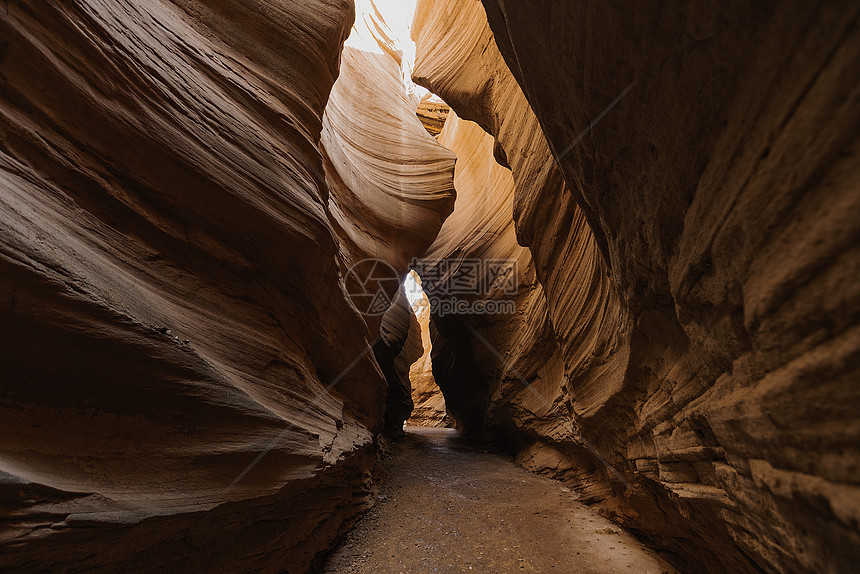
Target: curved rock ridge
[(184, 378), (398, 347), (476, 259), (648, 288), (390, 186), (391, 183), (429, 403), (541, 347), (696, 241)]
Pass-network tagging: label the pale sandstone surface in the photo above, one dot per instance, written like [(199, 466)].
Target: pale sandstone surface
[(428, 402), (705, 316), (390, 187), (390, 182)]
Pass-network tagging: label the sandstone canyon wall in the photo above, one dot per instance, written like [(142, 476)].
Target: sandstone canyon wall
[(427, 400), (398, 347), (185, 381), (390, 182), (667, 191), (390, 188), (685, 180)]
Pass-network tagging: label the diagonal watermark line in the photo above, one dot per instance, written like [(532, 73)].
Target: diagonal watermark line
[(594, 122), (293, 424), (539, 178), (554, 160), (322, 180), (549, 406), (603, 460)]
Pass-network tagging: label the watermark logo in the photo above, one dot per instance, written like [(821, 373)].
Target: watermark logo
[(452, 286), (469, 286), (439, 307), (371, 285), (478, 277)]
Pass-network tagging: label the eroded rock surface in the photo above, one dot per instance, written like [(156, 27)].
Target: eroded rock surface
[(692, 221), (186, 378), (433, 112), (398, 347), (428, 402), (185, 381), (390, 182)]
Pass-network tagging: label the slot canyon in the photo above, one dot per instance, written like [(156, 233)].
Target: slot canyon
[(291, 285)]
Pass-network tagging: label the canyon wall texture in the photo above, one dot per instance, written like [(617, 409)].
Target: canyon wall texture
[(476, 259), (193, 370), (685, 180), (390, 182), (184, 379), (398, 347), (427, 400), (390, 188)]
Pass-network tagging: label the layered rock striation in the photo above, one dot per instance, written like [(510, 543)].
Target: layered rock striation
[(390, 183), (185, 379), (648, 288), (476, 259), (390, 188), (433, 112), (560, 276), (684, 183), (428, 402)]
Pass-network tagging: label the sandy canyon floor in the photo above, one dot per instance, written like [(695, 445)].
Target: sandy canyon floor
[(450, 506)]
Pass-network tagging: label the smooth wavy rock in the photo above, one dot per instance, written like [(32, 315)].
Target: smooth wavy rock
[(428, 401), (700, 249), (432, 112), (391, 183), (398, 347), (184, 379), (535, 353), (390, 188), (476, 260)]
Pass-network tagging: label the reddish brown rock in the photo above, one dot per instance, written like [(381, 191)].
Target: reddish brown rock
[(518, 360), (187, 383), (398, 347), (184, 379), (465, 359), (700, 293), (390, 188)]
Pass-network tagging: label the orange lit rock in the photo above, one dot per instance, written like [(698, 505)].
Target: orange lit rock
[(695, 249), (429, 403)]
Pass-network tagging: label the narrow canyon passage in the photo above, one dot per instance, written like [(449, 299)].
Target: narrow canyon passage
[(450, 506), (636, 230)]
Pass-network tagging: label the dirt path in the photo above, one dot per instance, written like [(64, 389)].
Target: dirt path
[(449, 507)]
